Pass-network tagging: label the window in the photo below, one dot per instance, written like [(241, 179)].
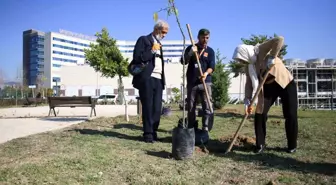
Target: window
[(56, 79), (71, 42), (36, 52), (64, 60), (67, 47), (57, 65), (68, 54)]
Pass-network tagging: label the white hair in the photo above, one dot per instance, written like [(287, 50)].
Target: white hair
[(161, 24)]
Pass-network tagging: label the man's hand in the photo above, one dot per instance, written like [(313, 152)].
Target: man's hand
[(248, 107), (270, 62), (248, 110), (156, 46), (203, 77), (192, 50)]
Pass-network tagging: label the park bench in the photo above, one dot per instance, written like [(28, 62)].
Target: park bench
[(33, 101), (77, 101)]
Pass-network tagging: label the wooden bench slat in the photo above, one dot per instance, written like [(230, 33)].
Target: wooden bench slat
[(81, 101)]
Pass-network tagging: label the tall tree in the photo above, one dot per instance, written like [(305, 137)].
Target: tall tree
[(106, 58), (254, 40), (221, 82), (172, 10)]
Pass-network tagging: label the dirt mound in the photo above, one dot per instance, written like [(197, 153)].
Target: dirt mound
[(275, 122), (231, 110), (242, 140)]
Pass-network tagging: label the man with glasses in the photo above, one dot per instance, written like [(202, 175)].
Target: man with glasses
[(151, 80)]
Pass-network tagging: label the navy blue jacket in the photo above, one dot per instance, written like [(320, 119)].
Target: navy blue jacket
[(143, 53), (207, 60)]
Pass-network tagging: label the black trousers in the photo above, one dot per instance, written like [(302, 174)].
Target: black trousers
[(151, 100), (289, 108), (192, 92)]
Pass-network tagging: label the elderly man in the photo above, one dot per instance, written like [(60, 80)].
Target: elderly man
[(279, 83), (194, 80), (151, 80)]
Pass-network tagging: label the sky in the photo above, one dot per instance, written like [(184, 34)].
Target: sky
[(308, 26)]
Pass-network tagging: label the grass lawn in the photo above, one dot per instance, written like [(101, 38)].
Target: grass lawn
[(108, 151)]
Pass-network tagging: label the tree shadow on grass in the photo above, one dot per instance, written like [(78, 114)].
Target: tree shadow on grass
[(160, 154), (233, 114), (132, 127), (116, 135), (270, 160)]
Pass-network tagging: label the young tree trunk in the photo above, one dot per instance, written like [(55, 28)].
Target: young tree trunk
[(121, 92), (22, 92)]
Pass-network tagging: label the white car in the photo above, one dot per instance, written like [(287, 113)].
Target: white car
[(107, 99)]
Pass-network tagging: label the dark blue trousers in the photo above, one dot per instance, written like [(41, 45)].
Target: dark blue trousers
[(151, 100)]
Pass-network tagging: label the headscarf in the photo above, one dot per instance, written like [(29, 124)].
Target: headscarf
[(248, 53)]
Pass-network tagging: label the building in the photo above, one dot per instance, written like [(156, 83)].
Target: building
[(45, 53), (315, 82), (58, 57), (32, 56)]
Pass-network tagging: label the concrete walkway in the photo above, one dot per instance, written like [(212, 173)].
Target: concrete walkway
[(24, 121)]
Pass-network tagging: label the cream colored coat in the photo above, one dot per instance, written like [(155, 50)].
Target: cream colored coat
[(278, 73)]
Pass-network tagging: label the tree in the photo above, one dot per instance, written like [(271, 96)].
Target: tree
[(106, 58), (2, 77), (221, 83), (40, 80), (177, 95), (238, 68), (171, 9)]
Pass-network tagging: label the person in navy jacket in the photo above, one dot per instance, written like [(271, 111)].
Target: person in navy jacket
[(151, 81), (194, 79)]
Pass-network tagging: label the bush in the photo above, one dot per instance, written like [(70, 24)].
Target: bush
[(221, 83)]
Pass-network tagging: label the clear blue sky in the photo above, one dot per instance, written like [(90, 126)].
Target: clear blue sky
[(309, 26)]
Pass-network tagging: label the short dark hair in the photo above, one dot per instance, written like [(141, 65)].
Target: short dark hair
[(203, 31)]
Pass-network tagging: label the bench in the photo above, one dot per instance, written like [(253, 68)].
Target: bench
[(79, 101), (33, 101)]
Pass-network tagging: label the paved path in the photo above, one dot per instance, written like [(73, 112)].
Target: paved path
[(24, 121)]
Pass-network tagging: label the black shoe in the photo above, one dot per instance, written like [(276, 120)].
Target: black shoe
[(259, 149), (148, 138), (293, 150), (155, 137)]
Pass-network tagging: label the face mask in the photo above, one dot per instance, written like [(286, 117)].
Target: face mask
[(158, 36)]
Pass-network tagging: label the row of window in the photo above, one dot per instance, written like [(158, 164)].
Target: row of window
[(119, 45), (164, 45), (34, 53), (35, 46), (36, 66), (64, 60), (68, 54), (37, 38), (35, 59), (164, 50), (71, 42), (35, 73), (67, 47), (57, 65), (56, 79)]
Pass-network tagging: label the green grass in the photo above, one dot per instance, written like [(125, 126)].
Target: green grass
[(108, 151)]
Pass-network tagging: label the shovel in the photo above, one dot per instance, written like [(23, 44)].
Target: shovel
[(246, 115)]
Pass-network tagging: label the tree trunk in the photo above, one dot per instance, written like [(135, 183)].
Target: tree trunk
[(22, 92), (121, 92)]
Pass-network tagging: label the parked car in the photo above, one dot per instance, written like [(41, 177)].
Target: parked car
[(107, 99)]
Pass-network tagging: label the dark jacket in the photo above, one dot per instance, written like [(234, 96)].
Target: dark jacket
[(207, 60), (143, 53)]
